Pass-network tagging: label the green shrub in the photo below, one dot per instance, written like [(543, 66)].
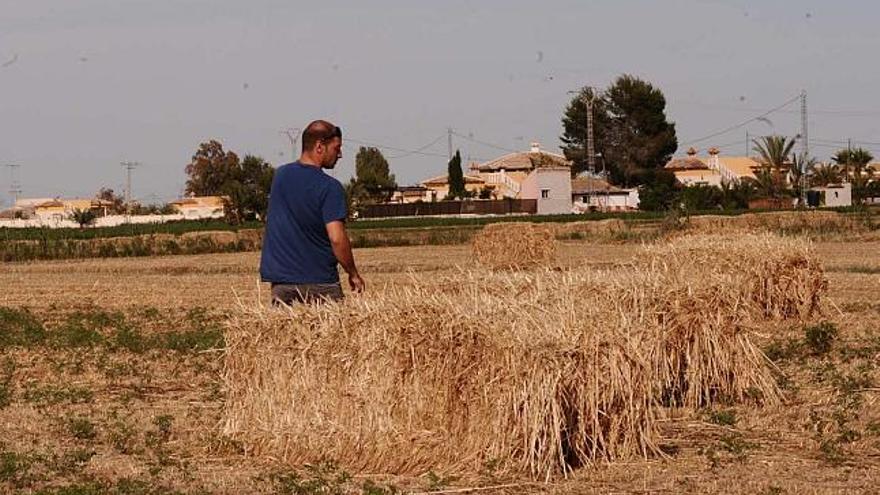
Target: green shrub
[(819, 338)]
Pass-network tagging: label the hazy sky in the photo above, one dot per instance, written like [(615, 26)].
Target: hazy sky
[(86, 84)]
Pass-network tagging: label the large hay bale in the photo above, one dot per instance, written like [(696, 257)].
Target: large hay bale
[(514, 245), (416, 379), (541, 371), (778, 277)]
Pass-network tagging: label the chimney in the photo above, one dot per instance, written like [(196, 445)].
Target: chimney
[(713, 158), (691, 151), (536, 147)]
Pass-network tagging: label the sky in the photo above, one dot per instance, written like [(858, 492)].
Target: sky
[(88, 84)]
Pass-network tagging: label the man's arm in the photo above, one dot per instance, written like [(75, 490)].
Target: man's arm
[(342, 250)]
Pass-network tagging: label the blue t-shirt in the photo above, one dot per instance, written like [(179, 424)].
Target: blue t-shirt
[(296, 247)]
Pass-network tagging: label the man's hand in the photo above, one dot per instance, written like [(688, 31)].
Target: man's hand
[(356, 283)]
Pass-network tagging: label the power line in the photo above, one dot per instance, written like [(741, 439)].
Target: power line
[(742, 124), (419, 149), (843, 112), (484, 143), (394, 148)]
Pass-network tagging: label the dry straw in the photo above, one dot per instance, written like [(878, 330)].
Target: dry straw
[(778, 277), (538, 372), (590, 228), (514, 245), (787, 222)]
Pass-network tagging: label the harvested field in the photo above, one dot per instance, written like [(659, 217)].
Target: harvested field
[(154, 403)]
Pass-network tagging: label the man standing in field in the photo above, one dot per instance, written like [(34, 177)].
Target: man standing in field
[(305, 230)]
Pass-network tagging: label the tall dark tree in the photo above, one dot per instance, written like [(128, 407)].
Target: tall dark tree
[(456, 178), (373, 180), (659, 190), (630, 130), (210, 168)]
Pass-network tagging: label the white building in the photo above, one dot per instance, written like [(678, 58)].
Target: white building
[(712, 170), (592, 193), (551, 186), (832, 195), (199, 207)]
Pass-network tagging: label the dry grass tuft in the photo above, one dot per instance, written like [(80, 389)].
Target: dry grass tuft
[(514, 245), (539, 372)]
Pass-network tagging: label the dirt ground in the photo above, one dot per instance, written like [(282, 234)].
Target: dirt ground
[(123, 394)]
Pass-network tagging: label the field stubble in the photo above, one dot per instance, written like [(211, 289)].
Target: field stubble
[(155, 413)]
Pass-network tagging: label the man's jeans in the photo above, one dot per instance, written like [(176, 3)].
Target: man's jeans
[(305, 293)]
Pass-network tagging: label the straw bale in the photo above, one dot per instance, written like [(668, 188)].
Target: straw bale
[(251, 238), (514, 245), (217, 237), (590, 228), (541, 371), (780, 221), (778, 277)]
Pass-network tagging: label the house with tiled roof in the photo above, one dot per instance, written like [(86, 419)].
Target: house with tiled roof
[(535, 174), (437, 188), (593, 192), (712, 170), (507, 173)]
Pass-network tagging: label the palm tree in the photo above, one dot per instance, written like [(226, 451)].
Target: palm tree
[(773, 151), (824, 174), (855, 164), (801, 167), (769, 184), (773, 155)]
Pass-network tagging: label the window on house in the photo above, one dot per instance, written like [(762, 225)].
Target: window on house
[(545, 193)]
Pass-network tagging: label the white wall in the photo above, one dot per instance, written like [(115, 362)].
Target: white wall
[(557, 183), (108, 221), (837, 196)]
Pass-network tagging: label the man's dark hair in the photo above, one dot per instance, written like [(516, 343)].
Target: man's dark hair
[(319, 130)]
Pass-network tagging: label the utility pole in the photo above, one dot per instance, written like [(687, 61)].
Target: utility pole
[(129, 166), (747, 144), (449, 141), (848, 157), (14, 185), (591, 149), (292, 134), (805, 147)]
